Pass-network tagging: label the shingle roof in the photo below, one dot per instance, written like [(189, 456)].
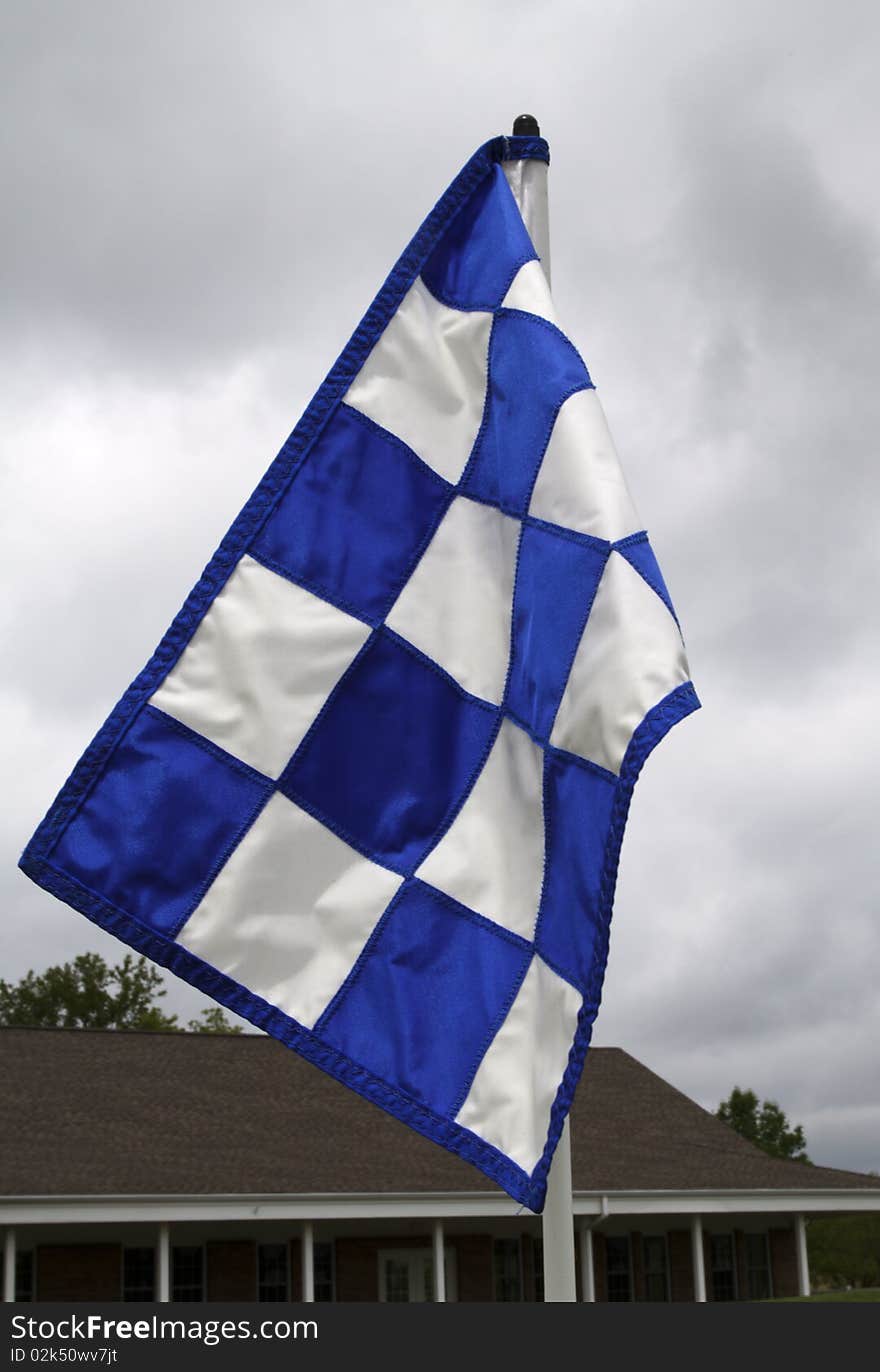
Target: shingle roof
[(89, 1112)]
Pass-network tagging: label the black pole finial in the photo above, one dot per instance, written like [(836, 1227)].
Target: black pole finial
[(526, 126)]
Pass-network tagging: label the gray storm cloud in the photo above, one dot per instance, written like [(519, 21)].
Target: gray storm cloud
[(201, 202)]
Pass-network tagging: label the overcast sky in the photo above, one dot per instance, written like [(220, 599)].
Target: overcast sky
[(202, 197)]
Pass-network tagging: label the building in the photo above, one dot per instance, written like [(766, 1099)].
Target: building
[(223, 1167)]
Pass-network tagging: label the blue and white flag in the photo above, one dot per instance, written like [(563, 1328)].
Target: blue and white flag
[(370, 790)]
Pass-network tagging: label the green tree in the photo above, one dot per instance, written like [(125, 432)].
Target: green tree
[(87, 993), (212, 1021), (845, 1250), (763, 1123)]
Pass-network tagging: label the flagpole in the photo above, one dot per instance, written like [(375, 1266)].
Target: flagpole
[(559, 1282), (558, 1220)]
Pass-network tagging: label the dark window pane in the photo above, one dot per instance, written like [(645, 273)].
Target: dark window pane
[(656, 1284), (617, 1267), (396, 1280), (723, 1275), (324, 1284), (187, 1274), (272, 1271), (428, 1276), (758, 1267), (24, 1276), (138, 1274), (539, 1269), (508, 1281)]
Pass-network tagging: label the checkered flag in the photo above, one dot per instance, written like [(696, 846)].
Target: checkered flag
[(370, 790)]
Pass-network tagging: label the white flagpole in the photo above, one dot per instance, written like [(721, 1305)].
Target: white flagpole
[(559, 1284), (528, 181)]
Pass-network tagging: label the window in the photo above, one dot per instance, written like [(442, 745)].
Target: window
[(723, 1267), (272, 1272), (138, 1274), (325, 1284), (538, 1250), (187, 1274), (407, 1274), (656, 1268), (507, 1273), (24, 1275), (619, 1280), (758, 1267)]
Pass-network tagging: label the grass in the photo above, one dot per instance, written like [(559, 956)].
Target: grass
[(867, 1293)]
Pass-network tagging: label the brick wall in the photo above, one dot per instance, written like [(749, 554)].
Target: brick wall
[(232, 1270), (475, 1275), (357, 1269), (783, 1262), (357, 1264), (79, 1272), (681, 1275)]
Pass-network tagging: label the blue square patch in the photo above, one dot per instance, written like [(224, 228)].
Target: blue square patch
[(428, 996), (578, 802), (357, 516), (556, 583), (392, 754), (519, 415), (164, 816)]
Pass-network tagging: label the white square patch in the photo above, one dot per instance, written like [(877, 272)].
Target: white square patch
[(580, 482), (529, 291), (289, 913), (492, 857), (425, 379), (260, 666), (630, 656), (513, 1091), (457, 605)]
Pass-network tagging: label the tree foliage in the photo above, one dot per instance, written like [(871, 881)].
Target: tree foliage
[(87, 993), (845, 1250), (763, 1123)]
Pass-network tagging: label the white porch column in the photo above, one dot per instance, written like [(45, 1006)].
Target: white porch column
[(308, 1261), (697, 1258), (559, 1284), (803, 1263), (439, 1263), (588, 1271), (9, 1265), (164, 1291)]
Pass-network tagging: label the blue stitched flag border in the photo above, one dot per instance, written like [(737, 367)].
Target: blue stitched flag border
[(370, 790)]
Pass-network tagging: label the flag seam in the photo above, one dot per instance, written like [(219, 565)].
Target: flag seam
[(576, 643), (287, 785), (657, 587), (501, 1016), (456, 908), (487, 307), (315, 588)]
